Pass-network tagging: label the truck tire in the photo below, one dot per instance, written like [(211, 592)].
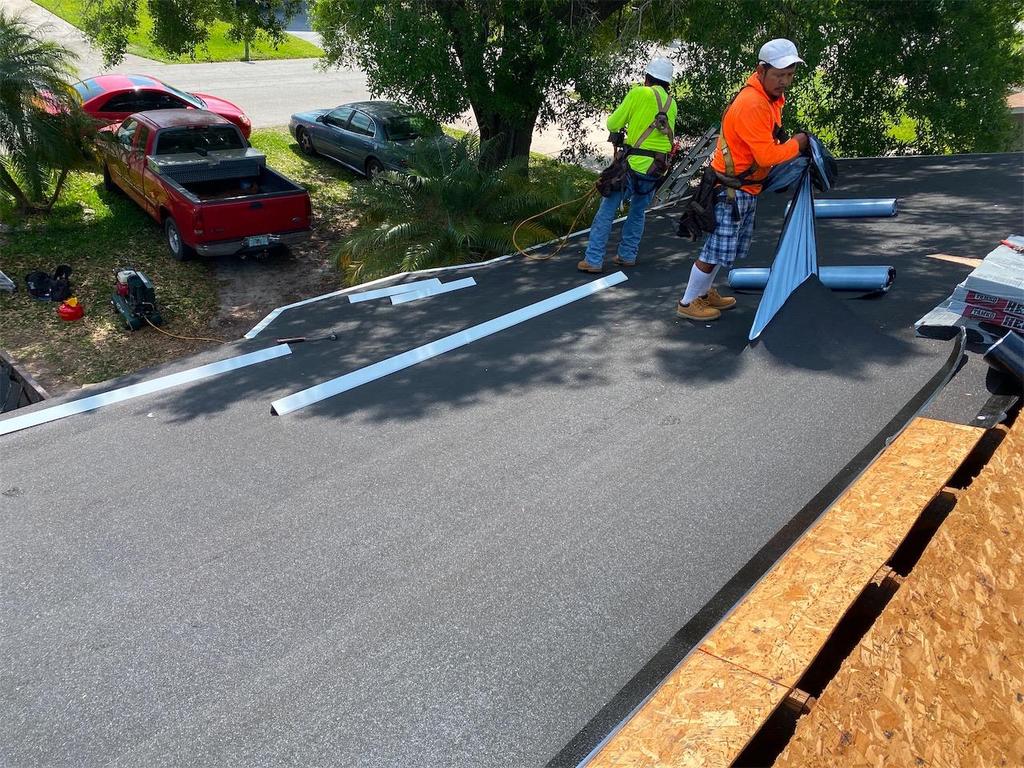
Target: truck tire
[(172, 235), (305, 142)]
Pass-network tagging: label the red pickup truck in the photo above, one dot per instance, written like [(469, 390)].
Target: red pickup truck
[(196, 174)]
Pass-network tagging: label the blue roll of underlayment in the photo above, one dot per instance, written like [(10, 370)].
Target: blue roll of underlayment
[(1007, 354), (869, 278), (854, 209)]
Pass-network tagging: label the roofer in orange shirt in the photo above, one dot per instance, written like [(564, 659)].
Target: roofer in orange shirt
[(750, 143)]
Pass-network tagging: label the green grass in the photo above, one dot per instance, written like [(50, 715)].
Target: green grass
[(217, 48), (97, 232)]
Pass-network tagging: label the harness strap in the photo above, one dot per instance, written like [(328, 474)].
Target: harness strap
[(636, 149), (730, 178)]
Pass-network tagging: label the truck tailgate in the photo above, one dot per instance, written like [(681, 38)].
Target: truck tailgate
[(254, 216)]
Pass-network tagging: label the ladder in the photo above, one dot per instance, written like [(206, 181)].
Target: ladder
[(677, 185)]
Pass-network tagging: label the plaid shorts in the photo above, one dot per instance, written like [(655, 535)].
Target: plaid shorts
[(731, 239)]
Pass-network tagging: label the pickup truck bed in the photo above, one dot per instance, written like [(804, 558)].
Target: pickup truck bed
[(267, 182)]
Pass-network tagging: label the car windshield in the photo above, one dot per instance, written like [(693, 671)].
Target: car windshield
[(198, 138), (191, 98), (406, 127)]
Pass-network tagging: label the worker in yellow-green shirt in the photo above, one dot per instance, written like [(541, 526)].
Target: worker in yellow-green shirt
[(648, 114)]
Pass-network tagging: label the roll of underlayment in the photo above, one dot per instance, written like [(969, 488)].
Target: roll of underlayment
[(854, 209), (1007, 354), (874, 279)]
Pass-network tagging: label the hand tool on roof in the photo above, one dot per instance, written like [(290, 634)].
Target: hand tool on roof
[(300, 339)]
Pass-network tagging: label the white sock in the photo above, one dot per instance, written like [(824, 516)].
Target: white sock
[(698, 285)]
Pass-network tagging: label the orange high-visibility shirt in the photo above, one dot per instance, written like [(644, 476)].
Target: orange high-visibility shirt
[(749, 130)]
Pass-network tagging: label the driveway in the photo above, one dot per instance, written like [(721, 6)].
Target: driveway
[(269, 91)]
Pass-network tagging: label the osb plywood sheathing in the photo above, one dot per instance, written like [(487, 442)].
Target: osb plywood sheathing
[(709, 708), (939, 678)]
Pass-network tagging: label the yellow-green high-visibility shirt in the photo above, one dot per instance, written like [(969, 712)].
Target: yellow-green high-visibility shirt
[(638, 111)]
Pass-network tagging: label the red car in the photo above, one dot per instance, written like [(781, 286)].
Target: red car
[(111, 98)]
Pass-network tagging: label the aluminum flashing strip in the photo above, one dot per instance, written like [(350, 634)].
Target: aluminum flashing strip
[(407, 359), (423, 293), (262, 324), (394, 290), (44, 415)]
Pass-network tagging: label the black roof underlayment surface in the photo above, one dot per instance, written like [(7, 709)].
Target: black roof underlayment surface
[(487, 559)]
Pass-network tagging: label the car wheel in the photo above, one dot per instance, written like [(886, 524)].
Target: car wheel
[(172, 234), (374, 168), (305, 142), (108, 183)]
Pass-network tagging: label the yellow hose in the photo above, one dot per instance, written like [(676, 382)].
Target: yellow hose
[(184, 338), (564, 239)]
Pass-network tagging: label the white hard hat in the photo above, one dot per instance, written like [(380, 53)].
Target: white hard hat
[(660, 69), (779, 53)]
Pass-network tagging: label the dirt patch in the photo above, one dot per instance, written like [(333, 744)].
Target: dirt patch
[(249, 287)]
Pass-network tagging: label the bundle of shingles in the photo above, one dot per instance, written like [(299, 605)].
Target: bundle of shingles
[(989, 301)]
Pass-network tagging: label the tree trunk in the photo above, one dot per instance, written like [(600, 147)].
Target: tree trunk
[(506, 139), (11, 187), (56, 189)]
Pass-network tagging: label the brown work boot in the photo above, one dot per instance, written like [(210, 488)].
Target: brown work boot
[(620, 262), (586, 266), (718, 301), (698, 309)]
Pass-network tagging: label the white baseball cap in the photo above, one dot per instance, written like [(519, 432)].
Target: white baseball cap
[(779, 53), (661, 69)]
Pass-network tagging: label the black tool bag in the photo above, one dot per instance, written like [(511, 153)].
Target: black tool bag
[(698, 217), (613, 178), (55, 287)]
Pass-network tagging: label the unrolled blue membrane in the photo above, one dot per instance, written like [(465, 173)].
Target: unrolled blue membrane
[(796, 257), (854, 209), (869, 278)]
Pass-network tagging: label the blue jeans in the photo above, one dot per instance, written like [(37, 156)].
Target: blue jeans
[(639, 190)]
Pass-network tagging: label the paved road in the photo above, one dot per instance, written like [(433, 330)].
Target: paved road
[(269, 91)]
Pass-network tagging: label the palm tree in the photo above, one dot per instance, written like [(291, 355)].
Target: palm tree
[(43, 133), (447, 210)]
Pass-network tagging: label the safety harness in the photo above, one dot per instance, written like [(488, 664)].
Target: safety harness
[(613, 178), (730, 178), (662, 124)]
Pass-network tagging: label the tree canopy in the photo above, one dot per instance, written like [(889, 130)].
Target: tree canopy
[(181, 26), (514, 63), (43, 133), (882, 76)]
